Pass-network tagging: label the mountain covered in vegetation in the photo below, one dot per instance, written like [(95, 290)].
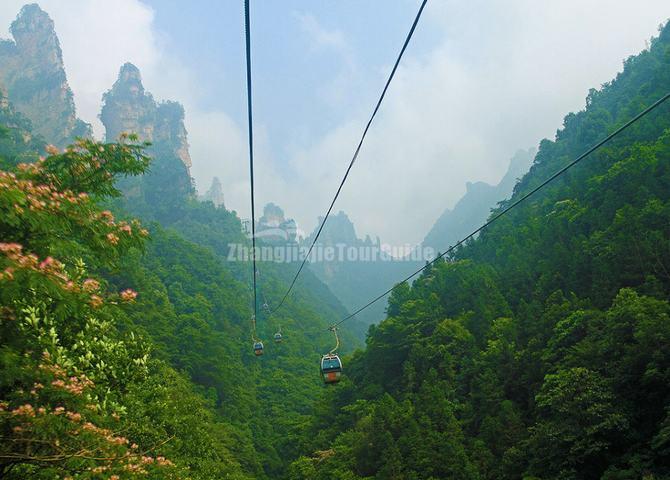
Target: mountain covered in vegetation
[(128, 107), (126, 349), (361, 269), (540, 349)]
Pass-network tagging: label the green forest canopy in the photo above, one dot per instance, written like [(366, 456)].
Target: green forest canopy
[(539, 350)]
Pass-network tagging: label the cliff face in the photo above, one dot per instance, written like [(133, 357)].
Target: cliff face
[(17, 143), (32, 72), (475, 206), (129, 108)]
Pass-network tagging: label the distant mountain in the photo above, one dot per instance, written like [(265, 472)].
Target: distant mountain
[(32, 73), (129, 108), (214, 194), (355, 269), (475, 206), (357, 279), (339, 229)]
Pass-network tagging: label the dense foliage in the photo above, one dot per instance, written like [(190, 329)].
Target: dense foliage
[(540, 349), (192, 313), (197, 311), (78, 397)]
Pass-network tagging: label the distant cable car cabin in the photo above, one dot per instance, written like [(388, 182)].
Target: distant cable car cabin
[(331, 368), (258, 349), (278, 337)]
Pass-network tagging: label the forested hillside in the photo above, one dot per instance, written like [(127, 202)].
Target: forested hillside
[(538, 350), (185, 311), (198, 397), (80, 394)]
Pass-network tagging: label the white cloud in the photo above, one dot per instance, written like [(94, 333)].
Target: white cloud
[(500, 75), (321, 36), (324, 41)]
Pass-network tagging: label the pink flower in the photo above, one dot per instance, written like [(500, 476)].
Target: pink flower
[(25, 410), (74, 416), (164, 462), (91, 285), (10, 248), (113, 239), (52, 150), (128, 295), (47, 262), (117, 440), (58, 384), (8, 274), (95, 301)]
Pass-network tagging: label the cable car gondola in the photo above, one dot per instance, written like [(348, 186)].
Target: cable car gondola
[(258, 348), (278, 337), (331, 368), (331, 365)]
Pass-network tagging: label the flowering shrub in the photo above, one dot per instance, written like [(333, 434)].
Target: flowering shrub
[(56, 426), (35, 202), (65, 367)]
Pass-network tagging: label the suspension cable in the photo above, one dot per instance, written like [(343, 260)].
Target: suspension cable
[(337, 339), (247, 34), (560, 172), (356, 152)]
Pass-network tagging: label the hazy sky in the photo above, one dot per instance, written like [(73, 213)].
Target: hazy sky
[(481, 79)]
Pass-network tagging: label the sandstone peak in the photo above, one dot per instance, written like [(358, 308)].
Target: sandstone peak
[(31, 21), (130, 79), (129, 108), (34, 77)]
